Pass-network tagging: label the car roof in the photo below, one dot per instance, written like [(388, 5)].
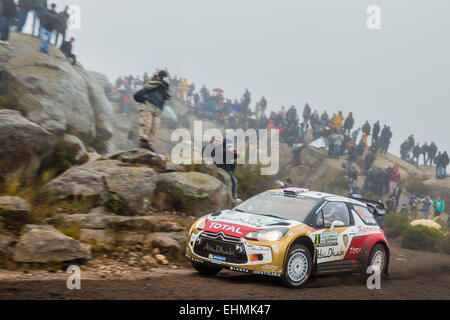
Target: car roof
[(317, 195)]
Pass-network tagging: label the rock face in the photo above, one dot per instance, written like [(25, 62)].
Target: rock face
[(44, 244), (125, 190), (193, 192), (137, 156), (82, 181), (74, 142), (130, 189), (24, 144), (14, 212), (51, 92)]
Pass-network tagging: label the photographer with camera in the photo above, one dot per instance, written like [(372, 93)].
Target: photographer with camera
[(152, 99)]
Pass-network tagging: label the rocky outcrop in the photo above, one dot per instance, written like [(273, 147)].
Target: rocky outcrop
[(82, 181), (137, 156), (14, 212), (51, 92), (44, 244), (74, 143), (24, 144), (193, 192), (128, 189)]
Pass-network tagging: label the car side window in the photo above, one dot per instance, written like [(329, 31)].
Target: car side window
[(333, 211), (365, 214)]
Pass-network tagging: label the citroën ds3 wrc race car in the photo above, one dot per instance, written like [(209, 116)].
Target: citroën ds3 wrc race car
[(290, 233)]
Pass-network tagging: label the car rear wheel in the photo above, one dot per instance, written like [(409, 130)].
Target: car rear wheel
[(298, 266), (206, 268)]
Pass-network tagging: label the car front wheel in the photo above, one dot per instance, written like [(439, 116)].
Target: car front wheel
[(298, 266), (206, 269)]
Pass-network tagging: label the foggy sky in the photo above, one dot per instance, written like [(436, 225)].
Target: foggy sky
[(291, 51)]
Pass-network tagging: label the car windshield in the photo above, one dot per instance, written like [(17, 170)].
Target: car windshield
[(290, 208)]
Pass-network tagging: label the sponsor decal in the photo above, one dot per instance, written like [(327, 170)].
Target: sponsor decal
[(264, 273), (345, 238), (329, 252), (215, 258), (218, 249), (354, 251), (326, 239), (370, 229), (239, 269), (229, 229)]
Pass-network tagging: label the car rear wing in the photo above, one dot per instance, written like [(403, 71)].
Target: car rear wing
[(378, 208)]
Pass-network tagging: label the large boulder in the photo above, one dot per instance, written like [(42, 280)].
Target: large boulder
[(14, 212), (51, 92), (82, 181), (193, 192), (127, 190), (44, 244), (24, 144), (74, 143)]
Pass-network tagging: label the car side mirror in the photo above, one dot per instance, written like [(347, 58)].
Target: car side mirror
[(336, 223)]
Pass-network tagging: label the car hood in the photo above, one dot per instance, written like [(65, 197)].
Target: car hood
[(238, 224)]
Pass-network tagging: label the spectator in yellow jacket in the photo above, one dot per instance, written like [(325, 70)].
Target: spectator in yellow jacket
[(338, 120)]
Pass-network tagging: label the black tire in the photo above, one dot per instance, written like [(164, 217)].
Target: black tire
[(206, 269), (299, 265), (378, 251)]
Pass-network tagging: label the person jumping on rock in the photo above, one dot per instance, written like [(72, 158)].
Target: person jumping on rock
[(157, 93)]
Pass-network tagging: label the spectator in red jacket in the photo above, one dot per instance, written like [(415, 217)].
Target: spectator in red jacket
[(394, 178)]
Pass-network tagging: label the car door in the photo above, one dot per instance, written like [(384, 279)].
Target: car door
[(332, 242)]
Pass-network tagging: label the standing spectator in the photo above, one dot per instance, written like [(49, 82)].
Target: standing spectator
[(394, 178), (324, 118), (439, 206), (366, 128), (158, 92), (306, 112), (424, 152), (349, 123), (24, 7), (368, 161), (291, 116), (338, 141), (413, 201), (263, 105), (49, 22), (338, 120), (40, 6), (443, 162), (397, 192), (426, 205), (225, 157), (125, 101), (411, 142), (303, 130), (62, 28), (432, 150), (66, 48), (8, 13), (416, 153), (375, 132)]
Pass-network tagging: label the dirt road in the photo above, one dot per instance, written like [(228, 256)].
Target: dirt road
[(414, 275)]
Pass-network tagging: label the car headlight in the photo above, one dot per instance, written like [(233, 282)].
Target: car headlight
[(274, 234)]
